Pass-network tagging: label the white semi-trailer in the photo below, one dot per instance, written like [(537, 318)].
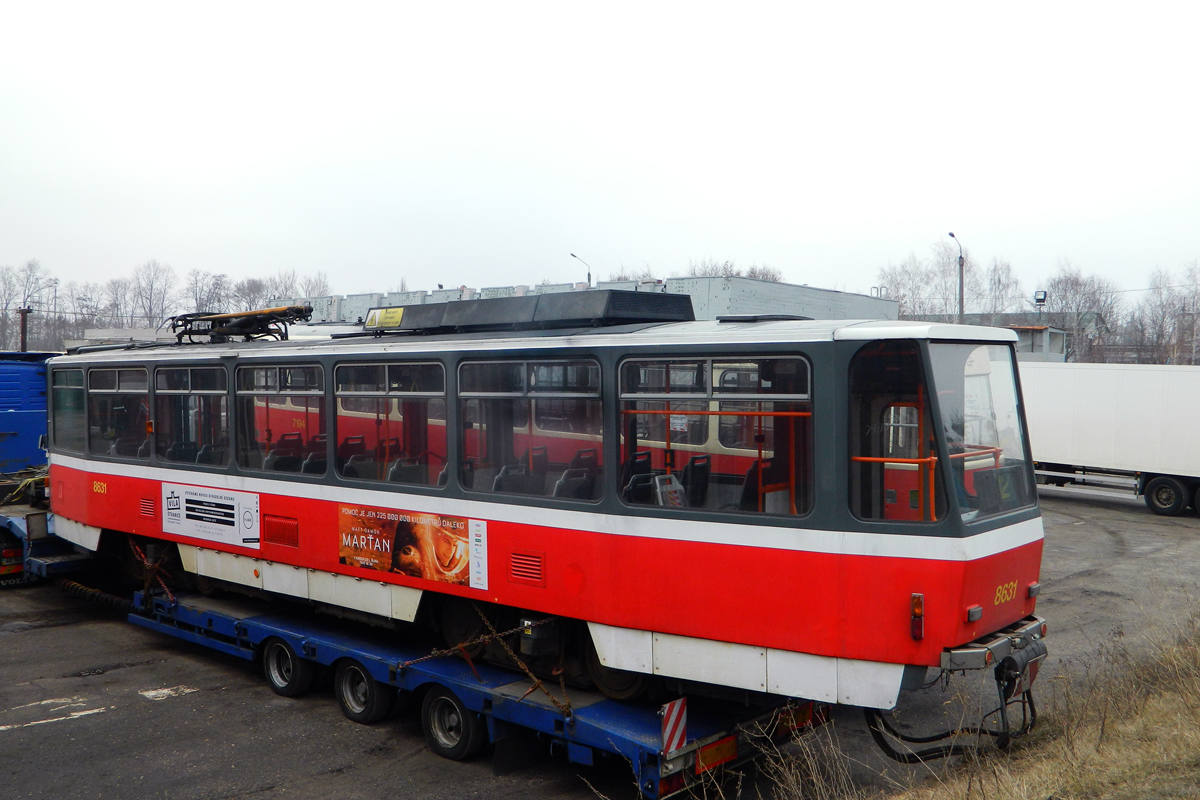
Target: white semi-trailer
[(1092, 423)]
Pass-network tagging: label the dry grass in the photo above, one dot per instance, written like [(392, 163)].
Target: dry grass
[(1128, 729)]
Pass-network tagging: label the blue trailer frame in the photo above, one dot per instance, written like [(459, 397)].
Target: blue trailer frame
[(717, 736)]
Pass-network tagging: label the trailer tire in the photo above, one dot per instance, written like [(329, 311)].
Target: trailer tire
[(361, 698), (1166, 496), (287, 673), (452, 730)]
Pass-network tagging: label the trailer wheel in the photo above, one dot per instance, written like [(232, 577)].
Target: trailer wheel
[(1166, 496), (288, 674), (451, 729), (361, 697)]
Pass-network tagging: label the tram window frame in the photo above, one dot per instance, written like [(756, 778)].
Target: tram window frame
[(895, 476), (106, 388), (184, 392), (356, 392), (278, 384), (708, 481), (564, 460), (69, 426)]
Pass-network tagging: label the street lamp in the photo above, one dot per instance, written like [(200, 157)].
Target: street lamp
[(589, 266), (961, 261)]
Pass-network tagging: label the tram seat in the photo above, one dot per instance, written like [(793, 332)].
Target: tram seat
[(587, 458), (282, 460), (351, 446), (316, 444), (210, 454), (640, 489), (314, 464), (125, 446), (444, 477), (144, 450), (409, 470), (361, 466), (749, 500), (512, 478), (695, 480), (290, 441), (181, 451), (536, 461), (637, 464), (389, 450), (577, 484)]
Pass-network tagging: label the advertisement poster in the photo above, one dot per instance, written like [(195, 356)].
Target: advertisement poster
[(430, 546), (216, 515)]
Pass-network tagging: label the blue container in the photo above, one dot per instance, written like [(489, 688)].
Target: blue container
[(22, 409)]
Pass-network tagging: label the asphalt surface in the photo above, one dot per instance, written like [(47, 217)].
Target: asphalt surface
[(92, 706)]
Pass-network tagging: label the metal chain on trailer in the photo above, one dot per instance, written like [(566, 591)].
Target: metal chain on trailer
[(564, 705), (152, 571)]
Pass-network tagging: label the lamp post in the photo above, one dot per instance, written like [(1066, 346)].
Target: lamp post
[(961, 261), (589, 266)]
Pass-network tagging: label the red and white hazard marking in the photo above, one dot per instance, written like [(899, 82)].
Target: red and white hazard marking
[(674, 725)]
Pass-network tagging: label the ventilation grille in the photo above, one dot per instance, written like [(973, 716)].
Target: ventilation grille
[(281, 530), (526, 568), (147, 506)]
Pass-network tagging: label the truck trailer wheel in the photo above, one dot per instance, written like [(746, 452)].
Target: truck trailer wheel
[(361, 697), (288, 674), (451, 729), (1166, 496)]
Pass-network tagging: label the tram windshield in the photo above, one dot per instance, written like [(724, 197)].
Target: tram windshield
[(977, 398)]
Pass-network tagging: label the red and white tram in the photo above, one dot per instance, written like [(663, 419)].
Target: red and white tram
[(815, 509)]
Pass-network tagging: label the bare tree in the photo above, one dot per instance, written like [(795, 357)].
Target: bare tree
[(1087, 307), (1001, 289), (118, 310), (282, 285), (152, 292), (250, 293), (208, 293), (624, 273), (9, 294), (318, 285), (762, 272)]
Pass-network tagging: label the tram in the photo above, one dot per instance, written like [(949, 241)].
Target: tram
[(816, 509)]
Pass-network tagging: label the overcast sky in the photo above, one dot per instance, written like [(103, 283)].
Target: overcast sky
[(480, 144)]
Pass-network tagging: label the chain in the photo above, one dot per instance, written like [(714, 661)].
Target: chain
[(152, 571), (564, 706)]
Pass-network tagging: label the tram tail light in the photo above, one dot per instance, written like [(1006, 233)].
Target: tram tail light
[(918, 615)]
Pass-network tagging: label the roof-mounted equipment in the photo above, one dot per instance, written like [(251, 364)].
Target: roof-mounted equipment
[(594, 308), (266, 323)]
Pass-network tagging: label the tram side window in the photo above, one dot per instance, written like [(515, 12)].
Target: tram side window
[(532, 427), (281, 419), (118, 412), (391, 422), (67, 403), (895, 473), (191, 418), (760, 458)]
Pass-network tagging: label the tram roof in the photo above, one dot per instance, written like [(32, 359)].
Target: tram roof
[(705, 332)]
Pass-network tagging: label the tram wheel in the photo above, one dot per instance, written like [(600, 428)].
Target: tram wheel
[(618, 684), (288, 674), (1166, 496), (362, 698), (451, 729)]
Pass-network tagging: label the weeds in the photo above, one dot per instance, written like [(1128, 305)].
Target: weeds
[(1126, 727)]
